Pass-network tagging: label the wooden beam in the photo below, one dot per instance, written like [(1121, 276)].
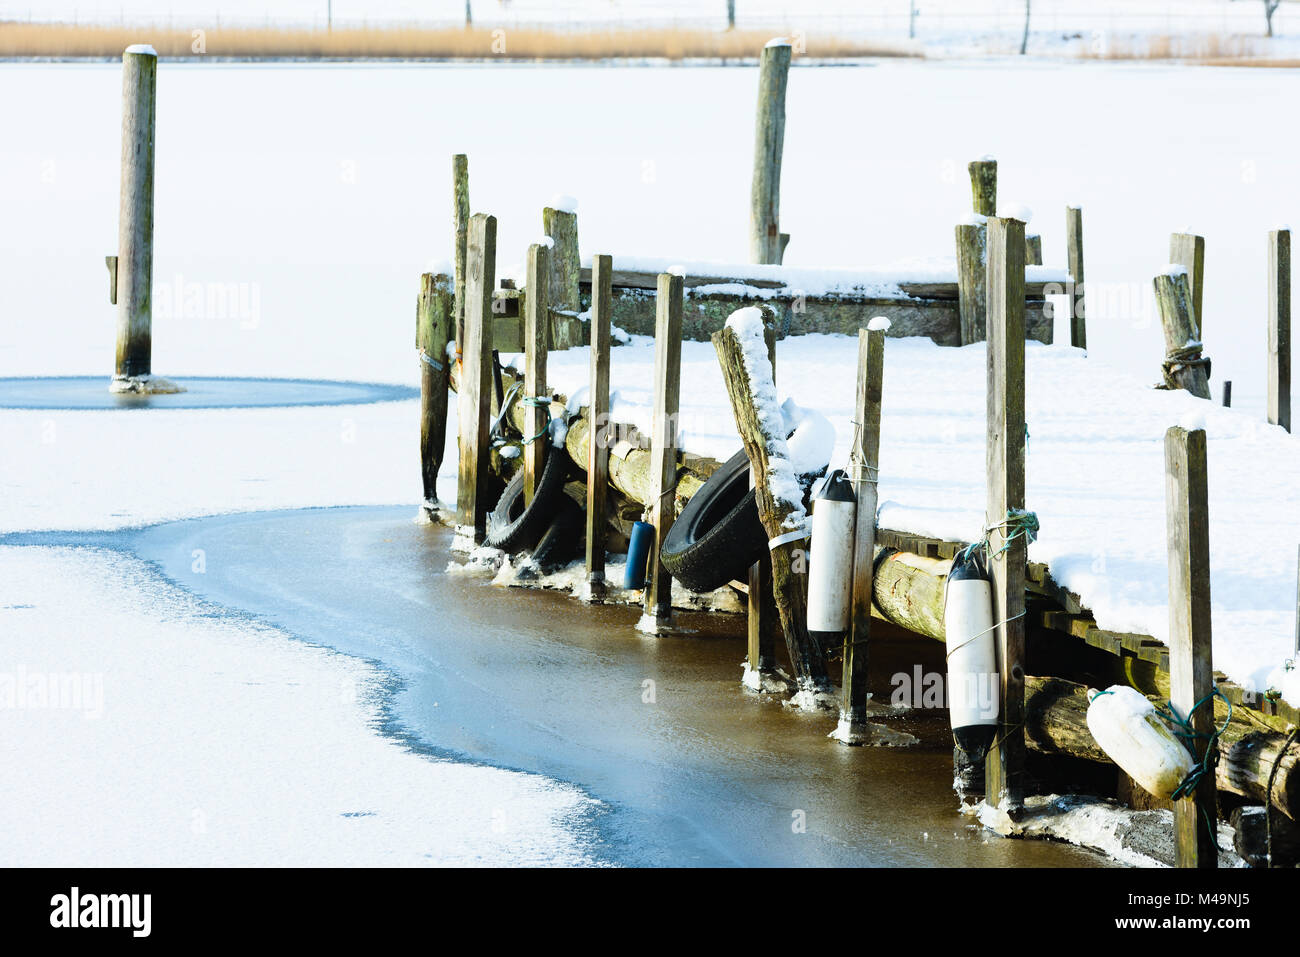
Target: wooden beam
[(663, 448), (1279, 328), (598, 413), (972, 283), (1184, 368), (1191, 675), (769, 139), (536, 337), (475, 398), (765, 444), (1188, 249), (135, 215), (460, 238), (1004, 765), (561, 225), (435, 314), (1074, 263), (864, 470)]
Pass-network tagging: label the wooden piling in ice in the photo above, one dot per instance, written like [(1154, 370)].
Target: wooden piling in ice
[(663, 450), (536, 338), (760, 607), (475, 382), (1191, 672), (1279, 328), (460, 238), (1074, 262), (602, 274), (972, 252), (561, 225), (769, 137), (1004, 766), (1188, 249), (134, 274), (435, 315), (1184, 365)]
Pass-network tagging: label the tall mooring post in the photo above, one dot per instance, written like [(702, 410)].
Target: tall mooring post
[(1279, 328), (1188, 249), (434, 319), (474, 406), (460, 239), (602, 307), (537, 321), (1007, 549), (765, 245), (134, 267), (1074, 261), (1191, 672)]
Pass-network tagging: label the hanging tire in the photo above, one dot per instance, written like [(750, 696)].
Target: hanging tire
[(718, 535), (561, 543), (511, 526)]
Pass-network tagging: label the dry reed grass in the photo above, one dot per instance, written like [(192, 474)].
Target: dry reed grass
[(60, 40)]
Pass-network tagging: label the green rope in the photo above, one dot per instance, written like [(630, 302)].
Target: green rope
[(1210, 760), (1019, 523), (539, 402)]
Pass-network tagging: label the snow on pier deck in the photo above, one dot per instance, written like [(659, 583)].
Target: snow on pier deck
[(1095, 474)]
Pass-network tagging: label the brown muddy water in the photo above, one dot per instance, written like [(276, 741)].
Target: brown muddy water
[(690, 768)]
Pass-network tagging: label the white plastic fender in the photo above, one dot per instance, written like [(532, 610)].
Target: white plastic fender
[(973, 681), (1126, 726), (830, 559)]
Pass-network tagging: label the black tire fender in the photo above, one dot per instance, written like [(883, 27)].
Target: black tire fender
[(511, 526)]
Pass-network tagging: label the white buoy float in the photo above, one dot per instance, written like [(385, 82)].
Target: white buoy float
[(1128, 728), (973, 683), (830, 560)]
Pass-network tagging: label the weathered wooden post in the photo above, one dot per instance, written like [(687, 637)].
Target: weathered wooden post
[(434, 317), (864, 469), (474, 406), (760, 607), (1074, 260), (769, 140), (1188, 249), (135, 219), (1184, 366), (536, 328), (663, 450), (972, 251), (460, 238), (1227, 393), (752, 392), (1007, 548), (1279, 328), (602, 277), (1191, 672), (1033, 250), (560, 223)]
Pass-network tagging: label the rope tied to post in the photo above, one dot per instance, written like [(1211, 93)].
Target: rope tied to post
[(1188, 356), (1210, 760), (430, 360), (1019, 523), (539, 402)]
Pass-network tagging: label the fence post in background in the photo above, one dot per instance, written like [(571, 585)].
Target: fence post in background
[(972, 251), (1004, 766), (1074, 259), (1279, 328), (1227, 393), (1033, 250), (1188, 249), (663, 449), (561, 225), (134, 279), (1184, 365), (984, 186), (731, 14), (769, 138), (460, 234), (434, 318), (474, 406), (536, 320), (864, 462), (1191, 675), (602, 270)]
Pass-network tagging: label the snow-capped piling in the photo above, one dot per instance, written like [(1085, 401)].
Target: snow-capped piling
[(663, 449), (475, 380), (864, 470), (746, 373), (434, 316), (1074, 263), (602, 293), (134, 273), (537, 321), (1184, 365), (1188, 249), (560, 223), (460, 235), (1191, 673), (765, 244), (1279, 328), (1007, 550), (972, 251)]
